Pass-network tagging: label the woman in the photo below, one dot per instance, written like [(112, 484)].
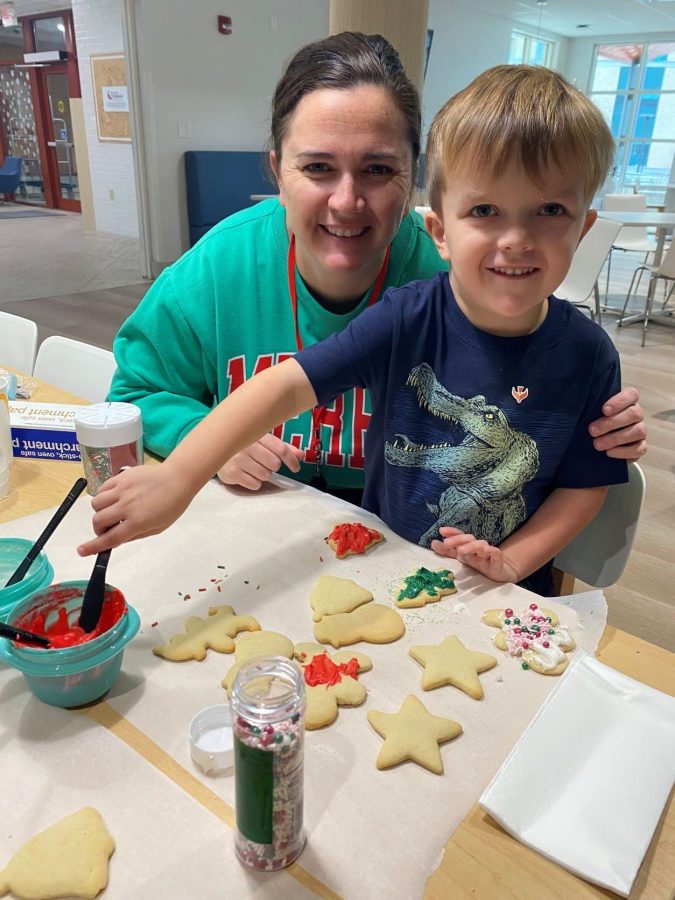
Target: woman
[(283, 274)]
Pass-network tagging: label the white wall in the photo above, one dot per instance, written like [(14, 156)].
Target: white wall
[(466, 42), (213, 87), (98, 29)]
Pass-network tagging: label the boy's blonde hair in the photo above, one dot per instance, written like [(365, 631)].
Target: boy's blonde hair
[(526, 113)]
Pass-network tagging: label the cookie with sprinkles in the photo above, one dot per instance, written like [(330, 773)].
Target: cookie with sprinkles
[(535, 635), (349, 538), (424, 586)]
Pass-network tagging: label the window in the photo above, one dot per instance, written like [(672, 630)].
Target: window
[(634, 87), (535, 51)]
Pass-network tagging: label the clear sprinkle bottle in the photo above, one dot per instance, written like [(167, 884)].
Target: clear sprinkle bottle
[(268, 715)]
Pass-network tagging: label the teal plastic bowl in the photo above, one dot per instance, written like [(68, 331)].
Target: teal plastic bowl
[(40, 574), (75, 675)]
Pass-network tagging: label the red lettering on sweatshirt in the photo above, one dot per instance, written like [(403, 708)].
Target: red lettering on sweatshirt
[(334, 453), (236, 371), (361, 421)]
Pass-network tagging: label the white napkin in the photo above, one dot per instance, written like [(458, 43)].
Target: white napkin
[(587, 782)]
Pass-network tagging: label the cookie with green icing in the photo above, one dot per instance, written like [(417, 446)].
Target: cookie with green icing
[(424, 586)]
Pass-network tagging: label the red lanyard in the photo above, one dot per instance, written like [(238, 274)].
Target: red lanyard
[(319, 412)]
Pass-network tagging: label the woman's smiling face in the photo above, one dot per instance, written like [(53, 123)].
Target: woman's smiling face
[(345, 179)]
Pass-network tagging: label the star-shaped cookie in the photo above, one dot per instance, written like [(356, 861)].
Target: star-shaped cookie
[(412, 733), (451, 663)]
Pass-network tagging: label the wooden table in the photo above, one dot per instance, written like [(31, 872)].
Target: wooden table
[(480, 860)]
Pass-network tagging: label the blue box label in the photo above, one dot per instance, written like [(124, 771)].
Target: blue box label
[(41, 443)]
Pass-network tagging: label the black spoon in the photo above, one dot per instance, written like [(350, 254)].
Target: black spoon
[(94, 594), (18, 634), (55, 520)]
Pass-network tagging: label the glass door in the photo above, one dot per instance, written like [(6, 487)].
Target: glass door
[(61, 160)]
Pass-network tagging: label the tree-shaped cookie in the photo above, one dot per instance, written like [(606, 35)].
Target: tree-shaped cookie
[(424, 586), (330, 681), (412, 733), (534, 635), (331, 595), (213, 633), (257, 643), (68, 859), (348, 538), (451, 663)]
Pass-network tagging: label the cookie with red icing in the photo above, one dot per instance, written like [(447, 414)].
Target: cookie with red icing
[(349, 538), (330, 681)]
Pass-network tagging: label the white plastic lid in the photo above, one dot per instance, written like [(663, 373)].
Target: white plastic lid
[(211, 739), (108, 424)]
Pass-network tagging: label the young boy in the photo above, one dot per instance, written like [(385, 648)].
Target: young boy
[(482, 384)]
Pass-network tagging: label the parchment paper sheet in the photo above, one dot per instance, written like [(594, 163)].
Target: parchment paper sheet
[(54, 762), (370, 834)]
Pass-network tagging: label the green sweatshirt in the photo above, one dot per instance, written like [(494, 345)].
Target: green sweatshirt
[(222, 312)]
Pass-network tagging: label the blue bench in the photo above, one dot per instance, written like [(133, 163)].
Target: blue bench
[(220, 182)]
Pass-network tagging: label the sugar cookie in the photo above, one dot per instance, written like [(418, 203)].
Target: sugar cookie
[(451, 663), (412, 733), (331, 595), (424, 586), (352, 537), (373, 622), (68, 859), (330, 681), (535, 635), (213, 633), (256, 643)]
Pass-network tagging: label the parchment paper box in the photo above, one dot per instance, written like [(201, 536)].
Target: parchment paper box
[(44, 430)]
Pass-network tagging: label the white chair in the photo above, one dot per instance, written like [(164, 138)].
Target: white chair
[(634, 238), (664, 271), (76, 367), (582, 278), (598, 555), (18, 341)]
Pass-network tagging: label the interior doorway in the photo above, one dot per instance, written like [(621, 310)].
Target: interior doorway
[(35, 115)]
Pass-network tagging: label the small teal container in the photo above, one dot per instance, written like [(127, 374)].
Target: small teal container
[(70, 676), (12, 552)]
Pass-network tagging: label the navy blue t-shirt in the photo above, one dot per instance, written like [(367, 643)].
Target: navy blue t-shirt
[(470, 429)]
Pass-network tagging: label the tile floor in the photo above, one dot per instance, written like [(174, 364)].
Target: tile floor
[(52, 255)]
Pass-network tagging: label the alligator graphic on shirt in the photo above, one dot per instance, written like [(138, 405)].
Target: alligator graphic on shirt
[(486, 471)]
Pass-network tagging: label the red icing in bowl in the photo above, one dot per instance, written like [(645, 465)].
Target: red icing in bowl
[(64, 630)]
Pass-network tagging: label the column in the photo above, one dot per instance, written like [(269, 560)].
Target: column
[(402, 22)]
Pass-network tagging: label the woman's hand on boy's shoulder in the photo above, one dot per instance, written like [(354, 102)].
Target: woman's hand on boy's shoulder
[(621, 432), (138, 502), (486, 559)]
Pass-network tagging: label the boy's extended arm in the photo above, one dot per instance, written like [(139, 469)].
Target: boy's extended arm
[(558, 520), (145, 500)]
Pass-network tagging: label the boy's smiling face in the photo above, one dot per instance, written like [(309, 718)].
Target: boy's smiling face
[(510, 241)]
